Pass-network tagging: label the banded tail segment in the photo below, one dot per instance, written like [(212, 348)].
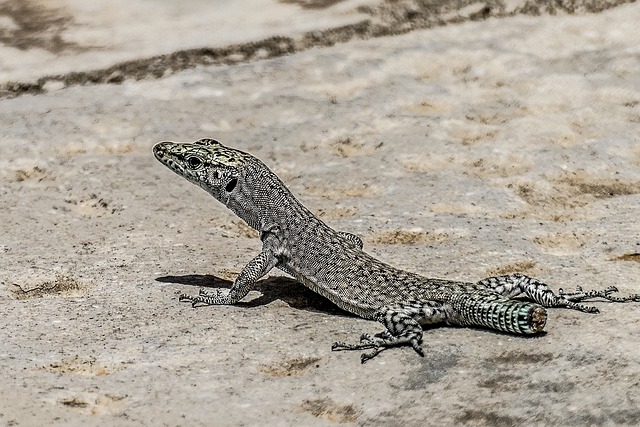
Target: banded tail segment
[(495, 312)]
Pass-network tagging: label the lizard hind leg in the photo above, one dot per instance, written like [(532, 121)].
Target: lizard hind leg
[(535, 290), (403, 323)]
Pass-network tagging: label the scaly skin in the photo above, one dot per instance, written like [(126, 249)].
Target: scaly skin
[(333, 264)]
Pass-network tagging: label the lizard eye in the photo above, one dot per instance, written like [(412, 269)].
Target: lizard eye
[(194, 162)]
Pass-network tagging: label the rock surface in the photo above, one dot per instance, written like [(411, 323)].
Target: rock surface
[(507, 140)]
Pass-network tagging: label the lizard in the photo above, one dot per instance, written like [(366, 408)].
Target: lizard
[(333, 264)]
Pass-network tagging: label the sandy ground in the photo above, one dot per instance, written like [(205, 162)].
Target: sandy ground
[(460, 151)]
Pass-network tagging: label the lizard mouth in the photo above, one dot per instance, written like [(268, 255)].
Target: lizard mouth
[(162, 151)]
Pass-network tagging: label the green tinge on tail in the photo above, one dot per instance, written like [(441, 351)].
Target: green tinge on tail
[(516, 317)]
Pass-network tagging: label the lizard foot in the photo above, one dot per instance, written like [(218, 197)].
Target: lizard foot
[(378, 343), (570, 299), (366, 342), (581, 295), (217, 297)]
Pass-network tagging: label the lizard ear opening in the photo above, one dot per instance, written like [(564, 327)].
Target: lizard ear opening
[(231, 185)]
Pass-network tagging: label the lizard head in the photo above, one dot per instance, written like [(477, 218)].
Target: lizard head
[(206, 163)]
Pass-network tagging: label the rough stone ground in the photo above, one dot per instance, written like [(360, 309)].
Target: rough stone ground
[(484, 147)]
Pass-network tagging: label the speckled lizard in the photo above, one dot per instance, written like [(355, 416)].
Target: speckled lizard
[(333, 264)]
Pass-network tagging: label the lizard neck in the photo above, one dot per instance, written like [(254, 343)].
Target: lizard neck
[(263, 201)]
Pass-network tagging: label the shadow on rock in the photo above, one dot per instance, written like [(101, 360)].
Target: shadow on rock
[(287, 290)]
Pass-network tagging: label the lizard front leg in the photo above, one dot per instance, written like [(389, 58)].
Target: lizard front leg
[(254, 270), (352, 238)]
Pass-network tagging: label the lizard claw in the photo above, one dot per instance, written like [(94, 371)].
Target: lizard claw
[(366, 339), (338, 345), (610, 290), (365, 357), (194, 300), (592, 310), (416, 346)]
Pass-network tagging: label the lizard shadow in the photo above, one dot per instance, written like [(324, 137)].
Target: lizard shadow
[(296, 296), (287, 290)]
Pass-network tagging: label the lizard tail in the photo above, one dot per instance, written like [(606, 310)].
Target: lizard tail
[(505, 315)]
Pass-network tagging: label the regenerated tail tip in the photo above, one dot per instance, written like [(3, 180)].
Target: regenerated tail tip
[(537, 318)]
